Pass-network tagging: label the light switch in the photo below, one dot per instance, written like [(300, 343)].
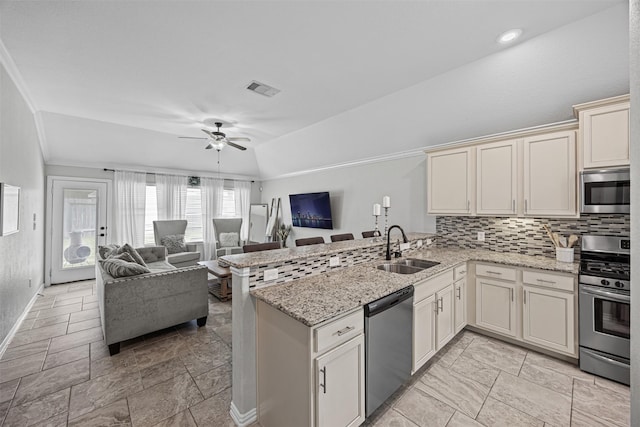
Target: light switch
[(480, 236), (271, 274), (405, 246), (334, 261), (419, 243)]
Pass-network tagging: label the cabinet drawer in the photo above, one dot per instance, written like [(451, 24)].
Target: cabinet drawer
[(496, 272), (432, 285), (338, 331), (547, 280), (460, 271)]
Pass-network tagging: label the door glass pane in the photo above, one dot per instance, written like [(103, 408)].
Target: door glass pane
[(79, 219), (612, 318)]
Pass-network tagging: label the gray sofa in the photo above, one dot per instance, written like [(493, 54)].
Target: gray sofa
[(137, 305)]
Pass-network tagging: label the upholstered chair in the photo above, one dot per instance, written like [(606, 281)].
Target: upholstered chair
[(309, 241), (227, 232), (261, 247), (341, 237), (167, 233)]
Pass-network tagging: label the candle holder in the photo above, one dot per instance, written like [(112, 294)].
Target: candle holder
[(376, 230), (386, 221)]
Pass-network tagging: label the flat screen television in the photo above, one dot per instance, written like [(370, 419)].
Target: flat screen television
[(311, 210)]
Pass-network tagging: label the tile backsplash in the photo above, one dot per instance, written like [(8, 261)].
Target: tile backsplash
[(524, 235)]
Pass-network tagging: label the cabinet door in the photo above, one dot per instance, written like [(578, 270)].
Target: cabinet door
[(424, 334), (449, 182), (548, 319), (496, 306), (460, 302), (497, 178), (444, 316), (605, 136), (550, 175), (340, 385)]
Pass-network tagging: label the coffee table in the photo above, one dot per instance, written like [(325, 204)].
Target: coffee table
[(221, 291)]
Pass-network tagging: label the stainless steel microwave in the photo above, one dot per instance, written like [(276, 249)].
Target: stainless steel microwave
[(605, 191)]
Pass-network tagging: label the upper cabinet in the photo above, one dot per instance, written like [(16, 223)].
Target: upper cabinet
[(604, 132), (497, 178), (450, 182), (550, 175)]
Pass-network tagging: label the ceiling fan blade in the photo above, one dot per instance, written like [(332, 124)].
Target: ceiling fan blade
[(191, 137), (239, 139), (239, 147), (208, 132)]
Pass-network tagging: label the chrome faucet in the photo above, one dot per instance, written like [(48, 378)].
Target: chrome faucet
[(404, 236)]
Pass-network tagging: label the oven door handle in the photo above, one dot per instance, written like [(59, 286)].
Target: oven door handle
[(604, 358), (614, 296)]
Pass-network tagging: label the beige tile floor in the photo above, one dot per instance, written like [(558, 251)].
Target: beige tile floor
[(57, 372)]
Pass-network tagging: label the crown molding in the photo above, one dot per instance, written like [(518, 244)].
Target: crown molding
[(365, 161), (12, 70)]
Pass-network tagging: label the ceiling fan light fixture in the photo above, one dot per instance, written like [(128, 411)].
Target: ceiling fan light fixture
[(218, 145)]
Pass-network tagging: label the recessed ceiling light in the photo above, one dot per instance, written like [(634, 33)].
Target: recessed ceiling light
[(509, 36)]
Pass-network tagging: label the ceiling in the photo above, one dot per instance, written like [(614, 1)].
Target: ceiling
[(115, 83)]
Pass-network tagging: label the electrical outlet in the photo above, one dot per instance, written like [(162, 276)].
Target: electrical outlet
[(334, 261), (405, 246), (271, 274), (429, 241), (480, 236), (419, 243)]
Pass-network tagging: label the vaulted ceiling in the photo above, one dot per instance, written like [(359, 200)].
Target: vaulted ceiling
[(116, 83)]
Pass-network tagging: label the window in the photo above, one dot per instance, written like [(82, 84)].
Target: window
[(193, 213)]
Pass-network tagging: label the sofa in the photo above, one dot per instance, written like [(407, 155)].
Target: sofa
[(136, 305)]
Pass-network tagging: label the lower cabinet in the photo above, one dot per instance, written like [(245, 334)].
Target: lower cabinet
[(548, 318), (309, 376), (496, 306), (424, 331), (444, 316), (340, 392), (460, 303)]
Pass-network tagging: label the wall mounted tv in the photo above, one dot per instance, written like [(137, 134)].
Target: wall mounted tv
[(311, 210)]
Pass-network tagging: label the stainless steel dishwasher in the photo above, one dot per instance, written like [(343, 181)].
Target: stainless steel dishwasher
[(388, 325)]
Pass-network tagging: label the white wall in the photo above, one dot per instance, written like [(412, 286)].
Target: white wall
[(353, 191), (634, 39), (21, 164)]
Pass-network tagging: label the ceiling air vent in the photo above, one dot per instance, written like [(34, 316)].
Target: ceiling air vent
[(262, 89)]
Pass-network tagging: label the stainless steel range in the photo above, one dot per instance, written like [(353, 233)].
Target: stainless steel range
[(604, 289)]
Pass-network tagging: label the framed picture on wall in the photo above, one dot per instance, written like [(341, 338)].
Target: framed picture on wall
[(9, 209)]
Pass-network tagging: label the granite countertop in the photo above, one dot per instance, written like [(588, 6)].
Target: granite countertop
[(253, 259), (313, 300)]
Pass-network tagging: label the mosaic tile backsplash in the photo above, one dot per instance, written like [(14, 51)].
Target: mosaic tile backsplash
[(524, 235)]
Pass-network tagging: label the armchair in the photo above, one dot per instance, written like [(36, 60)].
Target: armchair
[(176, 227), (228, 244)]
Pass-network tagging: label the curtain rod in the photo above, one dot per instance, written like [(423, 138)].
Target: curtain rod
[(252, 181)]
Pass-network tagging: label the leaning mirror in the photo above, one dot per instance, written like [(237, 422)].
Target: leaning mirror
[(258, 218)]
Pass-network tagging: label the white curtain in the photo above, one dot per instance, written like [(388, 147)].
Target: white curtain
[(171, 196), (129, 196), (242, 190), (212, 190)]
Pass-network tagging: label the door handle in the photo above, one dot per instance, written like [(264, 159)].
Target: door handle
[(441, 304), (525, 205), (101, 234), (459, 290), (324, 379), (468, 205), (513, 206), (511, 292), (524, 296)]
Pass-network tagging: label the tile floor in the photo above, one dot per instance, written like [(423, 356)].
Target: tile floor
[(57, 372)]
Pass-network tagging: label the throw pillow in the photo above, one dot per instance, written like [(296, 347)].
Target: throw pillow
[(106, 250), (229, 240), (121, 268), (125, 256), (174, 243), (131, 251)]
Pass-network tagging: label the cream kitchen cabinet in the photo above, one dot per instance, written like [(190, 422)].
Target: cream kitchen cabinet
[(460, 297), (497, 178), (604, 132), (433, 316), (550, 175), (548, 317), (496, 306), (450, 182), (311, 376)]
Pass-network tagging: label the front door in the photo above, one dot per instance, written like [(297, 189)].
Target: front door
[(78, 225)]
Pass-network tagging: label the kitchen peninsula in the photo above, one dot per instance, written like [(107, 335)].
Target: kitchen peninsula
[(311, 294)]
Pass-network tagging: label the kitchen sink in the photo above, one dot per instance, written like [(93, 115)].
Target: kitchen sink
[(399, 268), (415, 262)]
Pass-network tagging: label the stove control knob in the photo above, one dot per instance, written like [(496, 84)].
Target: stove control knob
[(619, 285), (604, 282)]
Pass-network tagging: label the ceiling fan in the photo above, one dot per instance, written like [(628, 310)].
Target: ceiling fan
[(218, 139)]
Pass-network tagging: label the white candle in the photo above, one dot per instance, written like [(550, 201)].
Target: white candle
[(376, 209), (386, 202)]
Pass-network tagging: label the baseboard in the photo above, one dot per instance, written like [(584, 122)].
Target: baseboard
[(16, 326), (242, 420)]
